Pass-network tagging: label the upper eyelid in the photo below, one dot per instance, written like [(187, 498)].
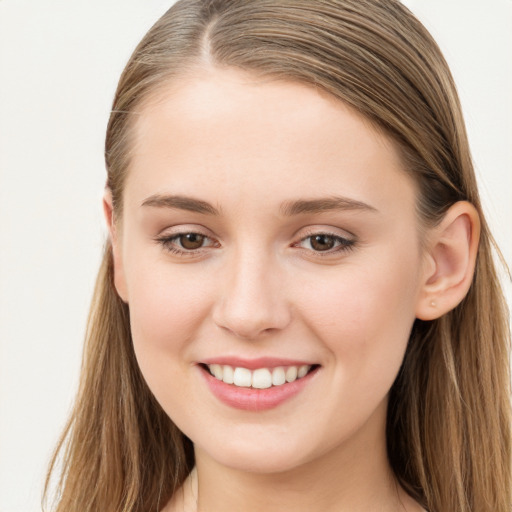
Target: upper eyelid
[(332, 231), (183, 229)]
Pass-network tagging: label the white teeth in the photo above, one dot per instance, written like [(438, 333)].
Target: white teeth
[(291, 373), (278, 376), (303, 370), (261, 378), (216, 369), (242, 377), (228, 374)]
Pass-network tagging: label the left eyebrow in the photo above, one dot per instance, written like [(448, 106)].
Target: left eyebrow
[(325, 204), (190, 204)]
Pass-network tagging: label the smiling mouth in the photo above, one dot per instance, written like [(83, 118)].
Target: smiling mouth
[(259, 378)]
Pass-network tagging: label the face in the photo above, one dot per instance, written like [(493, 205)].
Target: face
[(269, 237)]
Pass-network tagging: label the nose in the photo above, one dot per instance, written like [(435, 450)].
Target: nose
[(252, 298)]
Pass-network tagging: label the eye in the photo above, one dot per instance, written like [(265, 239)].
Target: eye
[(191, 241), (325, 242), (186, 243)]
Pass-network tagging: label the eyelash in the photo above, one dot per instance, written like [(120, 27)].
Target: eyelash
[(169, 244), (341, 244)]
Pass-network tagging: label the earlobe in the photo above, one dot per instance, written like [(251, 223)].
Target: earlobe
[(108, 210), (451, 257)]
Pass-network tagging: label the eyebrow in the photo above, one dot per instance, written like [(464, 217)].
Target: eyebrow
[(181, 203), (288, 208), (325, 204)]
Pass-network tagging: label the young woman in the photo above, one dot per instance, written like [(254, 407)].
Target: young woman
[(298, 307)]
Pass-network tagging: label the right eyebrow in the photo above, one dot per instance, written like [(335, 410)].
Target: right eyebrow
[(324, 204), (180, 203)]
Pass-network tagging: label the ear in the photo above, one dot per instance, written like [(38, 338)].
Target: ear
[(119, 279), (450, 261)]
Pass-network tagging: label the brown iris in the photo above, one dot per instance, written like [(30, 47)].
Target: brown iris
[(322, 242), (191, 241)]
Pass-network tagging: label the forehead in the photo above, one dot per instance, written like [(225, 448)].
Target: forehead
[(225, 133)]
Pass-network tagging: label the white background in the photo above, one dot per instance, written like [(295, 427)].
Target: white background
[(59, 63)]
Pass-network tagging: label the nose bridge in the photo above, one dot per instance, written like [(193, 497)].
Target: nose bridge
[(252, 299)]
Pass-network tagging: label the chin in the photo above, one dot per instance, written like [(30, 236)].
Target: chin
[(264, 463), (258, 457)]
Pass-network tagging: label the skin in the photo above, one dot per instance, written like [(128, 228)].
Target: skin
[(257, 287)]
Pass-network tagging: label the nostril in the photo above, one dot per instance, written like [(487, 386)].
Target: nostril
[(250, 325), (247, 333)]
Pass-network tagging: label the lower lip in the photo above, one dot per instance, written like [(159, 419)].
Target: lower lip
[(250, 399)]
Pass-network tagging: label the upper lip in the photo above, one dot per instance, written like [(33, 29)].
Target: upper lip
[(253, 364)]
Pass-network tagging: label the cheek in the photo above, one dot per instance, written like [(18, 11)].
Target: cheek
[(364, 315), (167, 308)]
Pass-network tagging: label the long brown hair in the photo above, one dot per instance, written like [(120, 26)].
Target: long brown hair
[(448, 426)]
